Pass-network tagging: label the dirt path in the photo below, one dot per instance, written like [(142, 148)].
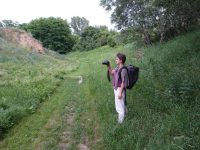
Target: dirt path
[(52, 125), (67, 120), (65, 139)]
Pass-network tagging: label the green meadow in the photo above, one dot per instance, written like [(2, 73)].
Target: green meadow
[(43, 104)]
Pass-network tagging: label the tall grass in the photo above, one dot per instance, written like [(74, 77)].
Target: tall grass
[(26, 79), (163, 107)]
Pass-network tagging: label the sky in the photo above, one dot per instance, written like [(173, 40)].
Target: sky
[(23, 11)]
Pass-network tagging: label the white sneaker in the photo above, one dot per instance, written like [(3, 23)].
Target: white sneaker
[(120, 120)]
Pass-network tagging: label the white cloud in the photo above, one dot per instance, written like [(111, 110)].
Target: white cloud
[(26, 10)]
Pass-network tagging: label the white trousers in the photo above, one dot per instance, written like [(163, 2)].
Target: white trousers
[(120, 105)]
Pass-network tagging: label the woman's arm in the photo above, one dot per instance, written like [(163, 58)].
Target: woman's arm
[(111, 71), (121, 90), (124, 77)]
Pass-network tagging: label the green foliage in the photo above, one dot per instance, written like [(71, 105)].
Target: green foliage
[(129, 35), (78, 24), (54, 33), (137, 14), (111, 42), (176, 17), (88, 39), (113, 38), (166, 18), (93, 37)]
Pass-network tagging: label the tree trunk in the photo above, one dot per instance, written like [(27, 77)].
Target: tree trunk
[(147, 38), (162, 37)]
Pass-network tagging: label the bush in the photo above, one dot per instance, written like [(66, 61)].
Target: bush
[(10, 116)]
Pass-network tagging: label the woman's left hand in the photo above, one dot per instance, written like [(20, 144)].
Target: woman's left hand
[(120, 96)]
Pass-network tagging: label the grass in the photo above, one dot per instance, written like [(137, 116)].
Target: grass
[(26, 79), (163, 107), (40, 129)]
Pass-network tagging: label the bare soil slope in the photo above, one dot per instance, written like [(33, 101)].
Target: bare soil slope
[(22, 38)]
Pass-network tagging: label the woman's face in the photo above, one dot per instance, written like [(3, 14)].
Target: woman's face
[(118, 61)]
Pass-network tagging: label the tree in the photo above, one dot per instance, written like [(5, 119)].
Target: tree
[(134, 13), (78, 24), (93, 37), (138, 14), (8, 23), (88, 39), (113, 39), (103, 35), (145, 16), (176, 16), (54, 33)]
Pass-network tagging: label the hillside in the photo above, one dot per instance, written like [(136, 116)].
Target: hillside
[(22, 38), (163, 107)]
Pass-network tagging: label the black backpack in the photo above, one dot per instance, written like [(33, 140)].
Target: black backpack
[(133, 73)]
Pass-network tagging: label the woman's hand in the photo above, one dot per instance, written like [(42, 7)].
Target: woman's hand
[(120, 95)]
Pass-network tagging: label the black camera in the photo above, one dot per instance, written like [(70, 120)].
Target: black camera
[(106, 62)]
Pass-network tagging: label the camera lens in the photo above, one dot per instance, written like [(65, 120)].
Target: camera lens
[(106, 62)]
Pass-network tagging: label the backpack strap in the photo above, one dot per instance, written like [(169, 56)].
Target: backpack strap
[(108, 75), (120, 72)]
